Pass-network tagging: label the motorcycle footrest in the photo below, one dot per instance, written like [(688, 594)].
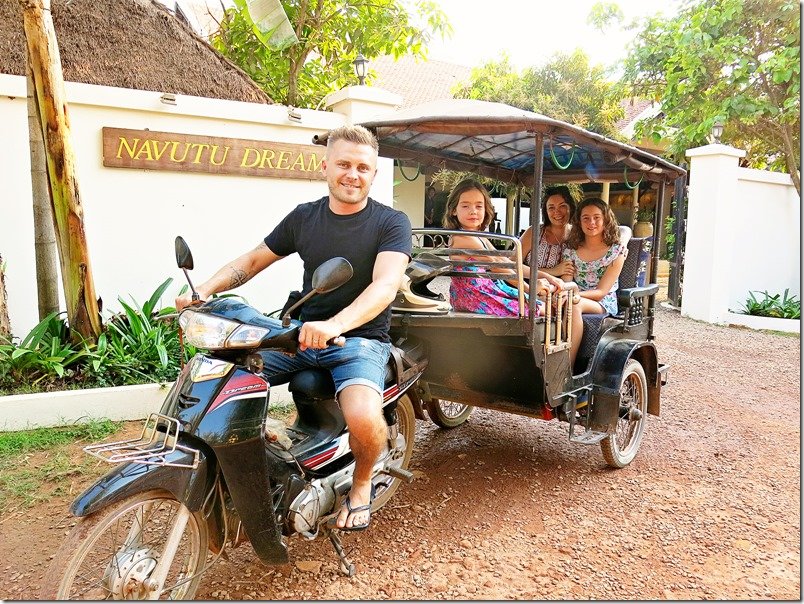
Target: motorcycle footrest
[(588, 437), (399, 473)]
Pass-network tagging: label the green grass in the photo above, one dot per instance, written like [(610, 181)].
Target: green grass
[(34, 464), (40, 439)]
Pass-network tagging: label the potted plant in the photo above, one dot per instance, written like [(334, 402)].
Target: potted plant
[(644, 225)]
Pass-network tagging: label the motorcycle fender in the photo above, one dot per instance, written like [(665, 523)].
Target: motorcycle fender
[(248, 470), (188, 485), (607, 372)]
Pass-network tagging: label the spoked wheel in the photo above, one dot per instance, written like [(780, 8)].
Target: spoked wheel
[(406, 423), (447, 414), (117, 553), (620, 448)]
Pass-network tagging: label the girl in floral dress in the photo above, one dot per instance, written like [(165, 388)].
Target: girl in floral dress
[(594, 248), (469, 208)]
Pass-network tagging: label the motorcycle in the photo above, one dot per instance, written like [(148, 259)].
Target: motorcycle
[(214, 469)]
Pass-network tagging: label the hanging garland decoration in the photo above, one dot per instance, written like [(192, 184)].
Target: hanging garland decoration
[(628, 184), (555, 159), (405, 176)]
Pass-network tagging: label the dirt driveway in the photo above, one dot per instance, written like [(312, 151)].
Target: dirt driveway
[(505, 507)]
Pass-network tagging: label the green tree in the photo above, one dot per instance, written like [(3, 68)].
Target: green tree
[(331, 33), (603, 14), (566, 88), (732, 60)]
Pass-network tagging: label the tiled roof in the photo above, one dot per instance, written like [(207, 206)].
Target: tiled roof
[(632, 107), (417, 81), (422, 81)]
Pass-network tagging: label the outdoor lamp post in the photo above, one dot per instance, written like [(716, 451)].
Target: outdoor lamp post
[(360, 68), (717, 130)]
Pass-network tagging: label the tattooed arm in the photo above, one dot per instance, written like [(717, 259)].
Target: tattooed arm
[(233, 274)]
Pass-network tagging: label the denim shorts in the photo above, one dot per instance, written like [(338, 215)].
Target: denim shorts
[(359, 361)]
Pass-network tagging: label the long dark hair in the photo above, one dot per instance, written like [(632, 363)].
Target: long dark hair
[(467, 184), (611, 231)]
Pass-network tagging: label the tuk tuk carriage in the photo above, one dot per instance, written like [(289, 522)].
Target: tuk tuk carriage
[(521, 364)]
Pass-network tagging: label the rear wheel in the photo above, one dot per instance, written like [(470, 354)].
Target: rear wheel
[(114, 554), (447, 414), (620, 448), (406, 424)]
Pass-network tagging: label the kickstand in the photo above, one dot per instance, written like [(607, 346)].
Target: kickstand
[(346, 567)]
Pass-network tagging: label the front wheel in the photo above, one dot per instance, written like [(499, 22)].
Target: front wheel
[(447, 414), (620, 448), (117, 553), (406, 424)]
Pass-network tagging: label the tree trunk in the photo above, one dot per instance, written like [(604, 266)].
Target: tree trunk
[(47, 287), (76, 272), (5, 324), (789, 157)]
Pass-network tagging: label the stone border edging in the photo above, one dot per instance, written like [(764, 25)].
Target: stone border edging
[(771, 323), (65, 407)]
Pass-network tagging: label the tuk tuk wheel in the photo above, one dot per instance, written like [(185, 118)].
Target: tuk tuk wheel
[(620, 448), (447, 414)]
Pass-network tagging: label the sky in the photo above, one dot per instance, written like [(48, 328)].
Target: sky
[(533, 30)]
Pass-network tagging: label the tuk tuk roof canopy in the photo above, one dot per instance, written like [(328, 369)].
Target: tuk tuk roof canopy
[(499, 141)]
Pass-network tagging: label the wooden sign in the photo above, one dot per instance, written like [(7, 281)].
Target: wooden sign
[(149, 150)]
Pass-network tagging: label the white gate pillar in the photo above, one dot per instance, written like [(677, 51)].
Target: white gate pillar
[(360, 103), (708, 247)]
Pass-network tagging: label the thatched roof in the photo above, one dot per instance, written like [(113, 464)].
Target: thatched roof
[(129, 44)]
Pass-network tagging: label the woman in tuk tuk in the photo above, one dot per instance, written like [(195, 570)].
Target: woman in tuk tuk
[(558, 209), (597, 255), (558, 214), (469, 208)]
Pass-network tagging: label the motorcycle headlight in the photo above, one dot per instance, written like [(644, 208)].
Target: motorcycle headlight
[(210, 332)]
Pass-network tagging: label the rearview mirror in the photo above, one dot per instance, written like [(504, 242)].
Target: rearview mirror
[(331, 275), (328, 276), (184, 257)]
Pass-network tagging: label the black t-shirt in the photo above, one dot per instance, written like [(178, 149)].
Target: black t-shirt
[(318, 234)]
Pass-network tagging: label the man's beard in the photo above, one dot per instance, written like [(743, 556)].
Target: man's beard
[(335, 191)]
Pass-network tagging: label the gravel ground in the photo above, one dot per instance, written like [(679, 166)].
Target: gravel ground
[(504, 507)]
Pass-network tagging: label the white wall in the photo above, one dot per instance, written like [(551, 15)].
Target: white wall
[(767, 236), (743, 234), (132, 216), (409, 195)]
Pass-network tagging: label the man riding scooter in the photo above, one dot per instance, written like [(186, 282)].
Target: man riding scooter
[(376, 240)]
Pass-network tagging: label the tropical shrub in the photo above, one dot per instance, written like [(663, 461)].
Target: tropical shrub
[(139, 345), (670, 237), (46, 352), (778, 305)]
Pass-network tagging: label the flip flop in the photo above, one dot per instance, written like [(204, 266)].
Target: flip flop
[(332, 522)]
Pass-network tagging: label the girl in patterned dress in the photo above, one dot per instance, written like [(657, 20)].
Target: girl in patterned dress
[(469, 208), (595, 250)]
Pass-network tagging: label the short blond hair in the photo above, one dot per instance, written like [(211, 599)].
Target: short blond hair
[(353, 134)]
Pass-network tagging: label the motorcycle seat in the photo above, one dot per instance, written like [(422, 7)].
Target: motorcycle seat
[(317, 383)]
